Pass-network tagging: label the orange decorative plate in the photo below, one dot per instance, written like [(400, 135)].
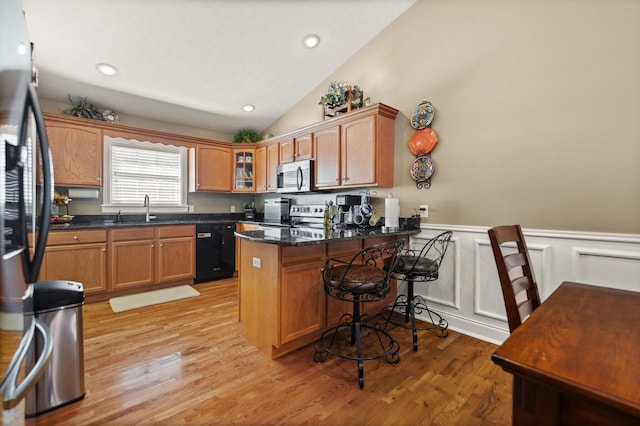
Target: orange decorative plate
[(423, 141)]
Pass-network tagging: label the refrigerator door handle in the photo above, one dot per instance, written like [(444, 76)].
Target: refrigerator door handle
[(33, 269), (13, 393)]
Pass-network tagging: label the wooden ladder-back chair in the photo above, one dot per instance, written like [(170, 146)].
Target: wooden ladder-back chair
[(519, 287)]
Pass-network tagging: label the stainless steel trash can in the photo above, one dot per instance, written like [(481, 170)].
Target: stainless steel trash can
[(58, 304)]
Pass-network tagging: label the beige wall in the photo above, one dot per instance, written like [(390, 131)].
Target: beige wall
[(537, 109)]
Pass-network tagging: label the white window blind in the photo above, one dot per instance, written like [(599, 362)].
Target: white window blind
[(134, 169)]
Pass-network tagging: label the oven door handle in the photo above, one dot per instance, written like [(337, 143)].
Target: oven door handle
[(14, 394), (299, 178)]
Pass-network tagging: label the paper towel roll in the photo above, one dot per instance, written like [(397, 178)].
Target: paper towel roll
[(391, 212)]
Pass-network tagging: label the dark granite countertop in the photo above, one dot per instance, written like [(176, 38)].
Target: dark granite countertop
[(304, 236), (136, 220)]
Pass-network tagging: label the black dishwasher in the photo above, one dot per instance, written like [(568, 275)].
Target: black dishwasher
[(215, 252)]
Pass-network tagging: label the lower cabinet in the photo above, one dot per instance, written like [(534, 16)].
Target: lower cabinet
[(132, 257), (77, 256), (123, 260), (301, 291), (148, 255), (176, 253)]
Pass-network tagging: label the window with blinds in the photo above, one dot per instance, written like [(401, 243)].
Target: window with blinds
[(134, 169)]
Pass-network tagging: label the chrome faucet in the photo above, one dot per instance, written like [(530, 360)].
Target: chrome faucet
[(146, 204)]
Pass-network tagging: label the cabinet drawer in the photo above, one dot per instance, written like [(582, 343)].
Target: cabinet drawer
[(128, 234), (293, 254), (177, 231), (57, 238)]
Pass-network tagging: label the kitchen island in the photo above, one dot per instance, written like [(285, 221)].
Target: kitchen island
[(283, 305)]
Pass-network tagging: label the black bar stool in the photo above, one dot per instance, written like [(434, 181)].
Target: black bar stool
[(363, 279), (418, 267)]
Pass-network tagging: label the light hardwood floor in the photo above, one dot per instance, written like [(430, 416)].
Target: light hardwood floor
[(186, 362)]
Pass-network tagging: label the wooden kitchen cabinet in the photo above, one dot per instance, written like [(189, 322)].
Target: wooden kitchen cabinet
[(243, 166), (260, 168), (302, 291), (267, 161), (77, 153), (326, 145), (210, 168), (356, 150), (132, 257), (176, 255), (296, 148), (79, 256), (287, 150), (143, 256)]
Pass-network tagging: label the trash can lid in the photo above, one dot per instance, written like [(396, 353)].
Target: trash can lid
[(56, 294)]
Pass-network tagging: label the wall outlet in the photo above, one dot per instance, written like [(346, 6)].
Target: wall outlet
[(257, 262), (424, 210), (233, 209)]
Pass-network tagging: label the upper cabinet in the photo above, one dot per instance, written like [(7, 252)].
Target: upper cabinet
[(243, 163), (267, 157), (355, 149), (296, 148), (326, 145), (210, 168), (351, 150), (76, 151)]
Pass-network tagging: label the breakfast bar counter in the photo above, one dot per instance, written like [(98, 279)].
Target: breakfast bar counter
[(282, 300)]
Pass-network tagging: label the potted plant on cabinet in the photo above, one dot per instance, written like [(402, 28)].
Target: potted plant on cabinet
[(246, 136), (341, 98)]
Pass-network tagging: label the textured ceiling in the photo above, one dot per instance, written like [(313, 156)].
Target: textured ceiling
[(197, 62)]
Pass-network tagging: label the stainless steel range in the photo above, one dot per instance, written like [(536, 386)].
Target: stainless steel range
[(308, 221), (312, 215)]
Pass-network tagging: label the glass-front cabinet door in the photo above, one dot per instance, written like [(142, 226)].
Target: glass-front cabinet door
[(244, 180)]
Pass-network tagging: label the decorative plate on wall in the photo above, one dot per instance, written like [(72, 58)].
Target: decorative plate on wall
[(422, 116), (422, 168), (423, 141)]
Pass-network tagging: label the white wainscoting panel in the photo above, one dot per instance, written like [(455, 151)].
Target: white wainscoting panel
[(467, 292)]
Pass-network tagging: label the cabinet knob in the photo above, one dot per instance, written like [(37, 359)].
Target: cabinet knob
[(104, 249), (75, 237), (161, 245), (152, 246)]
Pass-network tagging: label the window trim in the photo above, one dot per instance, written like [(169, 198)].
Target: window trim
[(107, 207)]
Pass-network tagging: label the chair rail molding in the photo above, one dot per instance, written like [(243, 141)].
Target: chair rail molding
[(468, 294)]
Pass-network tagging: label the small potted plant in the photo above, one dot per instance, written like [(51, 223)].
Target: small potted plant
[(246, 136), (81, 107)]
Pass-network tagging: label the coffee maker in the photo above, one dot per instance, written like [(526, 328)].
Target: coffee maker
[(348, 209)]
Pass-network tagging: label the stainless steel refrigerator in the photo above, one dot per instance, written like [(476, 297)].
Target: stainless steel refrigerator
[(26, 190)]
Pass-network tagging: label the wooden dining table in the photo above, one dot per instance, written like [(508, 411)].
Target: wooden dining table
[(576, 359)]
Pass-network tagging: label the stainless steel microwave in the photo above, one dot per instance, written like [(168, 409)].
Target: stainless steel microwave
[(296, 176)]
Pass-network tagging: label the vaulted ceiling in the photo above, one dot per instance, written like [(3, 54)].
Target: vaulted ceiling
[(198, 62)]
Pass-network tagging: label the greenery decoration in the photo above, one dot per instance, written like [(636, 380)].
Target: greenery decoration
[(246, 136), (81, 107), (338, 94)]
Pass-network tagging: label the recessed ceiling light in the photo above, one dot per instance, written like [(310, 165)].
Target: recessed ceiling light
[(248, 108), (107, 69), (311, 41)]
